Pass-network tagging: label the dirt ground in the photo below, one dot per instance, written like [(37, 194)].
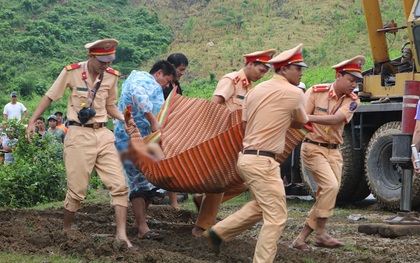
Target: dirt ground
[(39, 232)]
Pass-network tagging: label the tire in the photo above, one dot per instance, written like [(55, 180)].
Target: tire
[(354, 170), (352, 173), (383, 177), (360, 192)]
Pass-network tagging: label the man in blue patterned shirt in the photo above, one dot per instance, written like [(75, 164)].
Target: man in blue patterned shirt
[(144, 91)]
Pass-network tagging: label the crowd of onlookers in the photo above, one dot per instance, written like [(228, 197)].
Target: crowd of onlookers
[(54, 128)]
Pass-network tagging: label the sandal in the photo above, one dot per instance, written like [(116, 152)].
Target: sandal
[(328, 241), (302, 247), (151, 235)]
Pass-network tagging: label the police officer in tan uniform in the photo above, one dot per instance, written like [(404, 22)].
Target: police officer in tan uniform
[(232, 87), (89, 144), (329, 108), (268, 111), (230, 91)]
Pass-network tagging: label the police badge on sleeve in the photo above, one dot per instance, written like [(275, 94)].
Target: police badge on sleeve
[(353, 106)]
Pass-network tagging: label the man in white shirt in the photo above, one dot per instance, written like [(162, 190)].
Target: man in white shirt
[(14, 109)]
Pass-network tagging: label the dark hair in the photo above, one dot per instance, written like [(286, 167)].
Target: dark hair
[(41, 119), (256, 63), (343, 73), (279, 69), (165, 66), (177, 59)]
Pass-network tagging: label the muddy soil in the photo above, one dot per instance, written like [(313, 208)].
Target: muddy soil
[(39, 232)]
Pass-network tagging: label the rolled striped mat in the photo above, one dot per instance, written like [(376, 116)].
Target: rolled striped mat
[(201, 141)]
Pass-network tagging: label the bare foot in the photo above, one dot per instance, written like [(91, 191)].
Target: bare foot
[(173, 198), (197, 231), (128, 242)]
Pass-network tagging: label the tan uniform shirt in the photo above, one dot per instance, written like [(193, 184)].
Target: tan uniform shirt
[(269, 109), (233, 87), (80, 90), (322, 100)]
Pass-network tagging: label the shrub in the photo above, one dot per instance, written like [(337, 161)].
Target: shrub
[(37, 174), (201, 88)]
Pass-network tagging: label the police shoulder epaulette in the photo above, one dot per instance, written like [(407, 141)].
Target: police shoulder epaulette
[(353, 96), (73, 66), (321, 88), (113, 71), (236, 80)]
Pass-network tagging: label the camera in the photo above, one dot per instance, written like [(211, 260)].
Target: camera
[(85, 114)]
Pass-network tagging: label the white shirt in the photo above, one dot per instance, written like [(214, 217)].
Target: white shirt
[(14, 110)]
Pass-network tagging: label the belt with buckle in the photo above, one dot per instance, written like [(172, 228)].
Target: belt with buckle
[(95, 125), (258, 152), (326, 145)]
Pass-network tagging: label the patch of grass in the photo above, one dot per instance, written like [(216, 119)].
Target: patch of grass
[(188, 204), (239, 200), (17, 258), (47, 206), (355, 248), (99, 195)]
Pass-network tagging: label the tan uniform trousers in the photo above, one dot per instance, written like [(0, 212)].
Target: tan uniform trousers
[(85, 149), (325, 166), (211, 204), (262, 175)]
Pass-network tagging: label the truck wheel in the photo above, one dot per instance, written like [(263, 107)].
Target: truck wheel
[(383, 177), (352, 172), (351, 175), (360, 192)]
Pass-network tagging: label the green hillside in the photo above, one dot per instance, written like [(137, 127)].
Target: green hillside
[(39, 37), (330, 30)]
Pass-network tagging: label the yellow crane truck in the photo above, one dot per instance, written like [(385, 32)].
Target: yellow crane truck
[(368, 138)]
